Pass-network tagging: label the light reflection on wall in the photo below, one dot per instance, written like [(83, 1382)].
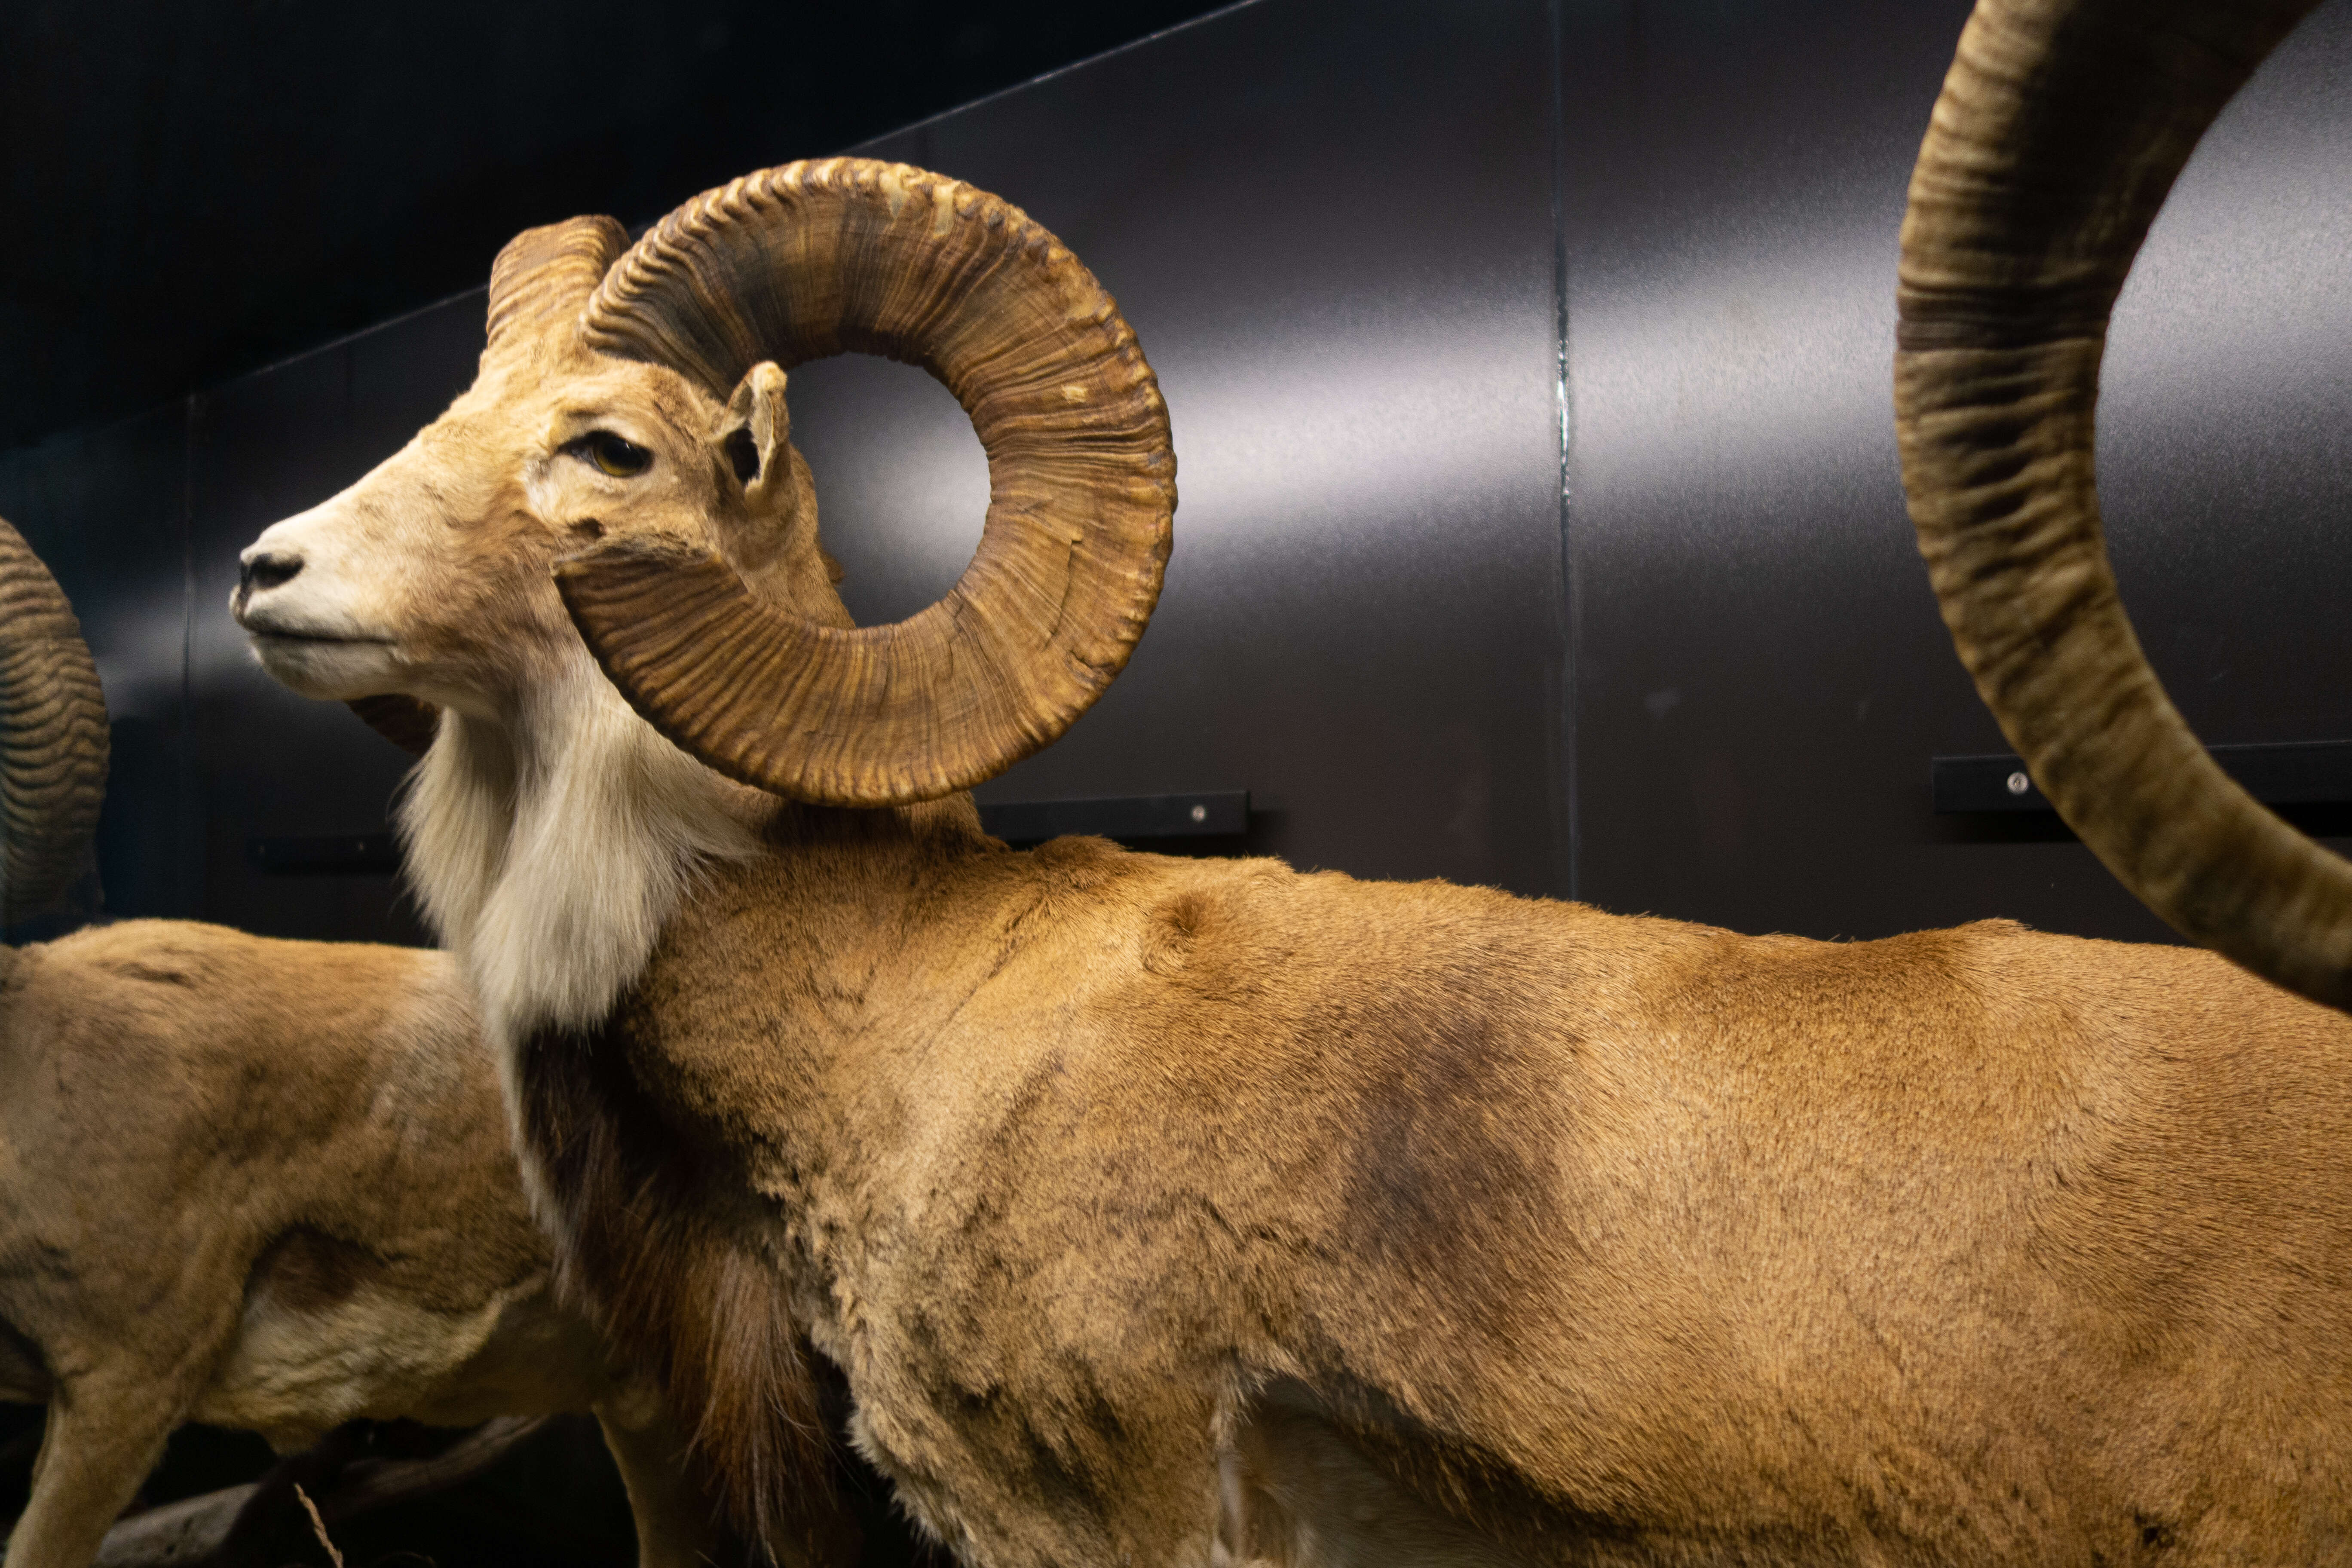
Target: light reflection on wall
[(1713, 382), (2244, 288), (139, 645), (1289, 444), (1708, 386), (901, 484)]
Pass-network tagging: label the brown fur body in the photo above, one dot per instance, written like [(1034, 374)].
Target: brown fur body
[(1128, 1192), (1178, 1212), (266, 1185)]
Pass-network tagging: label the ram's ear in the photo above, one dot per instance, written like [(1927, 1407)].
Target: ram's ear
[(754, 435), (772, 545)]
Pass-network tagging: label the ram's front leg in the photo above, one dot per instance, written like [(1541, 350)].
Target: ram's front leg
[(1115, 1487), (103, 1437), (677, 1518)]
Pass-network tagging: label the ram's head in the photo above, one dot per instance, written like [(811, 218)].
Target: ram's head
[(623, 465)]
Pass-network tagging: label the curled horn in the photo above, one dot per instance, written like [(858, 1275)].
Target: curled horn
[(53, 735), (542, 277), (2061, 129), (811, 259)]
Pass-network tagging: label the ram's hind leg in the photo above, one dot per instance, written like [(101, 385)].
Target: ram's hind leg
[(101, 1440), (1294, 1493)]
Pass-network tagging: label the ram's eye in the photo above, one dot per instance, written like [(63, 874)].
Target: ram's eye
[(622, 460)]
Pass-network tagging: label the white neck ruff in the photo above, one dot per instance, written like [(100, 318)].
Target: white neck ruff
[(550, 852)]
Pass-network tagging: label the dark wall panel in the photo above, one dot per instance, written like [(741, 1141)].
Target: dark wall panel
[(1330, 226), (269, 763), (1762, 676)]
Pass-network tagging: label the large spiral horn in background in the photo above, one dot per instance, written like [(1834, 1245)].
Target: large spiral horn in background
[(53, 734), (2060, 129), (811, 259)]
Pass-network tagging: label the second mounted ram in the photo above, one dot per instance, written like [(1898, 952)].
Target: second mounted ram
[(263, 1185)]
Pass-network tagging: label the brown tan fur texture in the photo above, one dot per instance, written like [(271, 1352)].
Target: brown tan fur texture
[(1566, 1237), (266, 1184), (1169, 1212)]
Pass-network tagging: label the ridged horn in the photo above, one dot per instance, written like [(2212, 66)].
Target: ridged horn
[(811, 259), (2060, 129), (53, 735), (543, 276)]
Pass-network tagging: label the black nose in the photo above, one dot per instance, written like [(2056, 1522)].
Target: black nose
[(265, 570)]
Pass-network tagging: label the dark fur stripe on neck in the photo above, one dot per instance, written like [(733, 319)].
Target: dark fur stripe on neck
[(679, 1293)]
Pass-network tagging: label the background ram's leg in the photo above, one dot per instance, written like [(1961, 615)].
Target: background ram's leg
[(101, 1440), (677, 1522)]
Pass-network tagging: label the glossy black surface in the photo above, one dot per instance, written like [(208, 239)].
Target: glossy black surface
[(1709, 685), (270, 764)]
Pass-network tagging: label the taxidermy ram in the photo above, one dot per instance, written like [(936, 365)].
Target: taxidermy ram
[(1177, 1212), (263, 1184)]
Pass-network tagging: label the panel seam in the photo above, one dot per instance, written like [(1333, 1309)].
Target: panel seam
[(187, 854), (1567, 798)]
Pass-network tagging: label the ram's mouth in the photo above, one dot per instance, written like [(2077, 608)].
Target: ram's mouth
[(324, 664), (321, 639), (267, 625)]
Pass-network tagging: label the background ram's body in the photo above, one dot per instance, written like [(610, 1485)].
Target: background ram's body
[(265, 1185), (1708, 685), (1639, 1241)]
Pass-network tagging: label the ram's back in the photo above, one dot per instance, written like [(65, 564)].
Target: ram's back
[(1634, 1219)]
